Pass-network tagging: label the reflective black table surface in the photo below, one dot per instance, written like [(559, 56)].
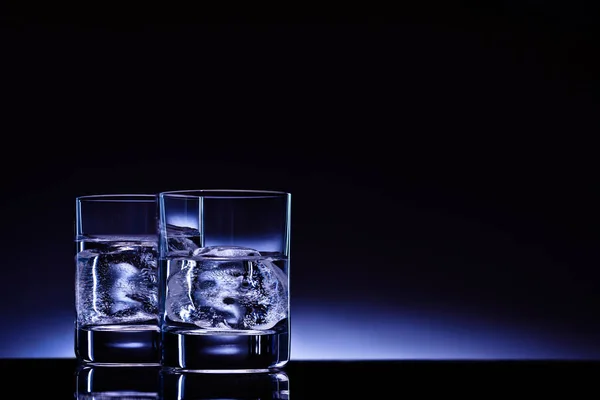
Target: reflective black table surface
[(64, 378)]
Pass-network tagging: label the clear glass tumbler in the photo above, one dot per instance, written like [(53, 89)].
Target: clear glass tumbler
[(116, 282), (224, 279)]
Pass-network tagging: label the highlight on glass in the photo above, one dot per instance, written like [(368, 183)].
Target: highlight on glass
[(116, 282), (224, 279)]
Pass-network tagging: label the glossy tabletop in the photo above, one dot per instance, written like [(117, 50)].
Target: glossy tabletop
[(63, 378)]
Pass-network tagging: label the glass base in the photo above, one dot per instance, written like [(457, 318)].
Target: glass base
[(220, 352), (119, 345)]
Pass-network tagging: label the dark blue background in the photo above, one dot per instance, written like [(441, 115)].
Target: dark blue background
[(440, 161)]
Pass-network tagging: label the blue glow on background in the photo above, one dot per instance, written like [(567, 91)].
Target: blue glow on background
[(40, 337), (359, 334), (350, 333)]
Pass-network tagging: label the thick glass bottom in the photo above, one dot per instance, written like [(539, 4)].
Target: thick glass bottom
[(224, 351), (118, 345)]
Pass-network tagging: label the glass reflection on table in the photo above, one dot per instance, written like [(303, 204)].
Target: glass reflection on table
[(117, 382), (152, 383), (192, 385)]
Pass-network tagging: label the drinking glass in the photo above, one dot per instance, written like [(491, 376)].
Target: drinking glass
[(224, 279), (116, 282)]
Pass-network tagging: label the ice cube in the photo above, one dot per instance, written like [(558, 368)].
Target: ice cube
[(225, 251), (182, 240), (242, 291), (117, 285), (122, 287)]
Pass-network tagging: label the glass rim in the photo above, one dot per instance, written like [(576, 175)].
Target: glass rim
[(224, 193), (118, 197)]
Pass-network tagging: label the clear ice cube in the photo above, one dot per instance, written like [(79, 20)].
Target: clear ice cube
[(225, 251), (228, 288), (181, 239), (117, 285)]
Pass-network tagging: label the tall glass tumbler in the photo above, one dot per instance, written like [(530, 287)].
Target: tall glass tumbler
[(116, 280), (224, 279)]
